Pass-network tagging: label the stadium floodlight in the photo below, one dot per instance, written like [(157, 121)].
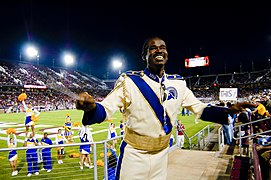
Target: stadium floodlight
[(117, 64), (32, 52), (68, 59)]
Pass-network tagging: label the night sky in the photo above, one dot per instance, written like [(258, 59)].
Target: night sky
[(231, 34)]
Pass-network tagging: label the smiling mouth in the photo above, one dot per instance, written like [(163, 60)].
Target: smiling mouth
[(159, 58)]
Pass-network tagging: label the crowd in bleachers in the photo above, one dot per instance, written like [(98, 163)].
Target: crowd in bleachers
[(16, 78), (245, 79), (258, 133)]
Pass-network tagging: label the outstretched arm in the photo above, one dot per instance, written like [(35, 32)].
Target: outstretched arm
[(93, 112), (220, 114), (25, 107), (8, 138), (37, 113), (15, 140), (86, 102)]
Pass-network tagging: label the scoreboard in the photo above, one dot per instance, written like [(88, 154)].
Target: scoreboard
[(197, 61)]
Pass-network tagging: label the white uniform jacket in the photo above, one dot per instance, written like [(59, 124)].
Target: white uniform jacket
[(152, 103)]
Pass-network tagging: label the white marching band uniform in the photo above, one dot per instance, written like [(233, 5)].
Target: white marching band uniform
[(152, 107), (29, 113)]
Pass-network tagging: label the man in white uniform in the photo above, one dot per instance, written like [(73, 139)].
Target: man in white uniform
[(151, 100)]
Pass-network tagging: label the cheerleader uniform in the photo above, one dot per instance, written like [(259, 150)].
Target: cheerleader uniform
[(12, 156), (28, 114), (68, 127), (85, 136)]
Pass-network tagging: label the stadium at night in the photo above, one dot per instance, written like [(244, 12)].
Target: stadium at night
[(50, 53)]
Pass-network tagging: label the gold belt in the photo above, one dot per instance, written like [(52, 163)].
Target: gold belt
[(146, 143)]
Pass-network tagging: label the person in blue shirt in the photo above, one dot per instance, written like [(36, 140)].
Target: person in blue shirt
[(31, 155), (46, 153)]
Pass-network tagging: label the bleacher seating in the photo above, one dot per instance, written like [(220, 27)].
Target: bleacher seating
[(240, 168)]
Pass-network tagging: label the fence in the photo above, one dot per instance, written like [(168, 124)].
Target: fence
[(221, 139), (202, 138), (70, 168), (257, 174)]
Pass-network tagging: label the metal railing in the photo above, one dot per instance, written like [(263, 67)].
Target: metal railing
[(202, 138), (239, 129), (69, 169), (241, 136), (221, 142)]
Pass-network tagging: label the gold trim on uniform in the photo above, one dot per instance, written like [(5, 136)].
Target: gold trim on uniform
[(145, 143)]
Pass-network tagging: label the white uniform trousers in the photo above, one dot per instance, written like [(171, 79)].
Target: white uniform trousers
[(137, 164)]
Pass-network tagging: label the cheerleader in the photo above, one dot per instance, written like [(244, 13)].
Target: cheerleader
[(60, 138), (31, 115), (68, 128), (113, 134), (85, 150), (13, 156)]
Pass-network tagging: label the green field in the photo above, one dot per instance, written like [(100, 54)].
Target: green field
[(70, 168)]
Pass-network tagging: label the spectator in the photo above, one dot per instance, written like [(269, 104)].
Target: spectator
[(180, 136), (260, 109), (244, 118)]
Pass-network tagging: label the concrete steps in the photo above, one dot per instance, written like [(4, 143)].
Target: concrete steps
[(192, 165)]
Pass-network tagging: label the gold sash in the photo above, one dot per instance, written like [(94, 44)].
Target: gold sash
[(145, 143)]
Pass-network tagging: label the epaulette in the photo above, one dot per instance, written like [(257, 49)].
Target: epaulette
[(175, 77), (134, 73)]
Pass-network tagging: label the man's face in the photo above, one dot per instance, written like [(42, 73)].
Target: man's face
[(45, 136), (157, 53)]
